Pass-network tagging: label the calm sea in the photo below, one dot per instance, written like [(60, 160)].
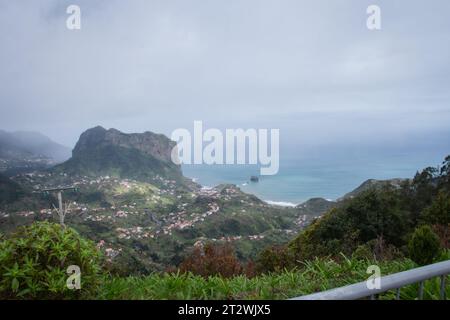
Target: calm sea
[(301, 179)]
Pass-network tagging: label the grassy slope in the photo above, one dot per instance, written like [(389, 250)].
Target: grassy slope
[(313, 276)]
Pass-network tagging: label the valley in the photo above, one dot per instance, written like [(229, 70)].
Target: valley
[(155, 224), (150, 222), (142, 213)]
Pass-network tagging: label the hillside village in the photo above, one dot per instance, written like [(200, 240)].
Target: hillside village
[(136, 205), (128, 210)]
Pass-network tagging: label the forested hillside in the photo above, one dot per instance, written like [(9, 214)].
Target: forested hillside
[(377, 223)]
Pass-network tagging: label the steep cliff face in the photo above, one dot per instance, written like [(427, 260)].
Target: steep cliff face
[(148, 143), (140, 156)]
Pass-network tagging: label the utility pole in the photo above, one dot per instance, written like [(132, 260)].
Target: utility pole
[(62, 211)]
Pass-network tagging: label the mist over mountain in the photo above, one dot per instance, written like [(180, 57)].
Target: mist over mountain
[(38, 143), (31, 144), (24, 151)]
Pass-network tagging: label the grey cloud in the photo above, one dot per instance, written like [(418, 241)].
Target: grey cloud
[(310, 68)]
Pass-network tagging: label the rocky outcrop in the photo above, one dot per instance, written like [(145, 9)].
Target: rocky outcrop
[(148, 143), (140, 156)]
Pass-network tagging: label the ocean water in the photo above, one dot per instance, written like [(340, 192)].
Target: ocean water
[(301, 179)]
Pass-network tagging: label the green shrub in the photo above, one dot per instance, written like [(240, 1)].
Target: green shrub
[(363, 252), (212, 260), (378, 250), (439, 211), (424, 246), (34, 262), (274, 259)]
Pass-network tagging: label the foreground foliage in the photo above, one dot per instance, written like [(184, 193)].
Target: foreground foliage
[(35, 259), (424, 245), (313, 276), (34, 262), (215, 260)]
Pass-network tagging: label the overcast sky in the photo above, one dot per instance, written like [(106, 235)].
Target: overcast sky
[(310, 68)]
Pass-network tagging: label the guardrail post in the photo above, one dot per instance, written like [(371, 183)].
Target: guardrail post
[(421, 290), (443, 297)]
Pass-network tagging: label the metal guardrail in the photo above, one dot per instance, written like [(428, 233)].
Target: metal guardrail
[(391, 282)]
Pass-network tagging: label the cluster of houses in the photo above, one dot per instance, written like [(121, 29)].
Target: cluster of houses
[(209, 192), (202, 241), (112, 213), (24, 213), (179, 220), (134, 232), (301, 220), (110, 252), (4, 214)]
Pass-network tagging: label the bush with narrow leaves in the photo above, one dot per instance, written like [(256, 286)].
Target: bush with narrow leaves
[(34, 262)]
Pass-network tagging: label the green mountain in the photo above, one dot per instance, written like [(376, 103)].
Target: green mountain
[(39, 144), (25, 151), (377, 220), (140, 156), (371, 184), (316, 206)]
